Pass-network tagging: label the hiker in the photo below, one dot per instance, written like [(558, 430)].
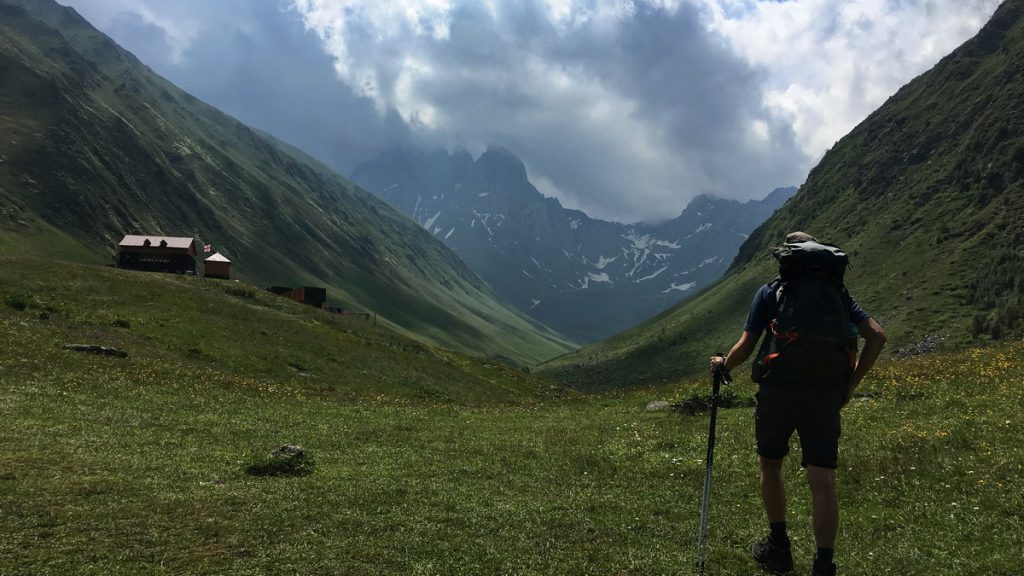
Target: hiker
[(803, 384)]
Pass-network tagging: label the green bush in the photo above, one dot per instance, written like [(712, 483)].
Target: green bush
[(16, 301), (239, 292)]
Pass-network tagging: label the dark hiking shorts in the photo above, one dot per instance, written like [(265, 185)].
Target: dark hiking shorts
[(810, 410)]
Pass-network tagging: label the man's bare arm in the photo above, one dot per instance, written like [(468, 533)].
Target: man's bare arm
[(742, 350), (874, 341)]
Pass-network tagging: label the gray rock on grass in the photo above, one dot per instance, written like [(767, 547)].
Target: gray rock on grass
[(94, 349), (658, 406)]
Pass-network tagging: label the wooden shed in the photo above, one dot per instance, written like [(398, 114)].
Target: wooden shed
[(313, 296), (157, 254), (217, 266)]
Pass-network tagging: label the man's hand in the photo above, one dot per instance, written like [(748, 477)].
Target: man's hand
[(717, 363)]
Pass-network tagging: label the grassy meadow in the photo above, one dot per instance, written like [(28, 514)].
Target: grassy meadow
[(430, 462)]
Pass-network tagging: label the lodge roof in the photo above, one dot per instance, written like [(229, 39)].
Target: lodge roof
[(171, 242), (217, 258)]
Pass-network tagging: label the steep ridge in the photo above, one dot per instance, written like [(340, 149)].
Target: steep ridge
[(96, 145), (584, 277), (926, 196)]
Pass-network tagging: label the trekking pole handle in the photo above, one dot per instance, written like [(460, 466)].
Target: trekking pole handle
[(720, 370)]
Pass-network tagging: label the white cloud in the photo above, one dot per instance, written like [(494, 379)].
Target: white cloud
[(609, 102), (623, 108), (628, 108), (830, 63)]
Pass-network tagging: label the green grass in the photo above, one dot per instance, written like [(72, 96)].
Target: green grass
[(232, 332), (138, 465)]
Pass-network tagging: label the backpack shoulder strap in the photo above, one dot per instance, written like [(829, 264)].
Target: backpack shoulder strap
[(775, 289)]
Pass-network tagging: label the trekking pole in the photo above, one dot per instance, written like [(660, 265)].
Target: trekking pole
[(720, 377)]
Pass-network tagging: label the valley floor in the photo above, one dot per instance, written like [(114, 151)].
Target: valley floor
[(119, 466)]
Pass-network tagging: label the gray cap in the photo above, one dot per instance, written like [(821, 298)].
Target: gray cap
[(798, 236)]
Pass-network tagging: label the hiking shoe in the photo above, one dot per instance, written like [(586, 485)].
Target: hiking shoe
[(830, 572), (772, 558)]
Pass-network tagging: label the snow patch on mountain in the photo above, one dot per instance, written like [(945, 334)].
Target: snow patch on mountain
[(591, 277), (639, 242), (483, 220), (430, 221), (680, 287), (660, 270), (603, 261), (705, 262)]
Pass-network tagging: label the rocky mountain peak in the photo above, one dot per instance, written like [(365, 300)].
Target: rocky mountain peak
[(587, 278)]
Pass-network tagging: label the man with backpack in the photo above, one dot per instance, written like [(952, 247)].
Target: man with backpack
[(807, 368)]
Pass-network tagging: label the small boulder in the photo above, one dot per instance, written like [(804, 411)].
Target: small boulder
[(94, 349), (658, 406), (287, 460)]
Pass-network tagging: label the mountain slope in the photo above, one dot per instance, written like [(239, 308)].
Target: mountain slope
[(97, 146), (926, 196), (586, 278)]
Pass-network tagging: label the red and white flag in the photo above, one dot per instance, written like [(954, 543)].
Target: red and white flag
[(207, 247)]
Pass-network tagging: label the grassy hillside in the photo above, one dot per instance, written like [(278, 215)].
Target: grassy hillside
[(436, 463), (96, 145), (926, 195), (228, 333)]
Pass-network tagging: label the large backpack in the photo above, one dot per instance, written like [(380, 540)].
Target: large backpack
[(810, 340)]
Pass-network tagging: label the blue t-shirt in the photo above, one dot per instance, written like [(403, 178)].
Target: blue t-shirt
[(762, 310)]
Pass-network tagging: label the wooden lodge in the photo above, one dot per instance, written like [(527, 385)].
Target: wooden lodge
[(157, 254), (305, 294), (217, 266)]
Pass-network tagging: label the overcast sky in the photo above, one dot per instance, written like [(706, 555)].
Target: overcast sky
[(625, 109)]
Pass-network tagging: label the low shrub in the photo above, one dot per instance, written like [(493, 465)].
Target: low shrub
[(239, 292), (17, 301)]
